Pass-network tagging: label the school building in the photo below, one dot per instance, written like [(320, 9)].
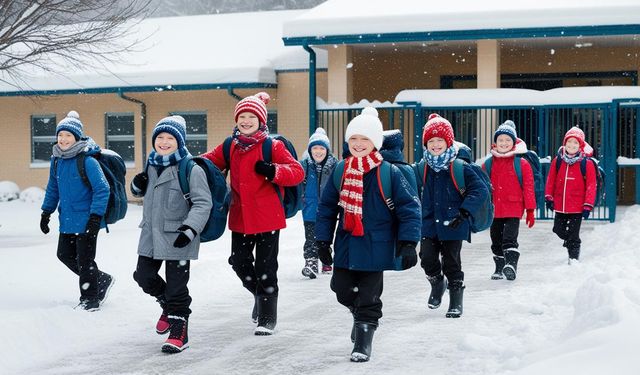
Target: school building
[(546, 64)]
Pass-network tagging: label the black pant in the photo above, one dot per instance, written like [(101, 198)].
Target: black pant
[(174, 291), (504, 234), (431, 252), (260, 274), (310, 248), (360, 292), (567, 227), (78, 253)]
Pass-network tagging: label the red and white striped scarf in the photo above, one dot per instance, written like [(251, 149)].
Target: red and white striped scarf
[(352, 190)]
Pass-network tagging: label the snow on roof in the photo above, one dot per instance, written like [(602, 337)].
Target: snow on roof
[(354, 17), (205, 49), (517, 97)]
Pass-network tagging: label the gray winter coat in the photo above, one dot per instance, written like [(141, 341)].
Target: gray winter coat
[(165, 210)]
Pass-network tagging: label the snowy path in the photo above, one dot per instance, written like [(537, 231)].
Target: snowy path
[(506, 326)]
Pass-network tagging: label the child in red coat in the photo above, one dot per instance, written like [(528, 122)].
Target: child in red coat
[(570, 193), (510, 198), (256, 214)]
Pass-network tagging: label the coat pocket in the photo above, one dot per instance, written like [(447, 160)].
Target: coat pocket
[(171, 226)]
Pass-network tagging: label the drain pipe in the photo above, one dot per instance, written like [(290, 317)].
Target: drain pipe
[(233, 94), (143, 118), (312, 88)]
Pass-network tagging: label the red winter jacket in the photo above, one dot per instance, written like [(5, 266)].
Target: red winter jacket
[(255, 206), (569, 190), (509, 198)]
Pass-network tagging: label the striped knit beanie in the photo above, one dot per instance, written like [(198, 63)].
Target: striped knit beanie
[(174, 125), (319, 138), (72, 124), (256, 104)]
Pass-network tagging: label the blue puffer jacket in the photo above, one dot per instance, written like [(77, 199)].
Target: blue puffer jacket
[(375, 251), (312, 186), (441, 202), (74, 200)]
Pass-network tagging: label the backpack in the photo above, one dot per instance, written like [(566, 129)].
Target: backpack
[(484, 217), (600, 176), (292, 198), (220, 195), (114, 170), (534, 161)]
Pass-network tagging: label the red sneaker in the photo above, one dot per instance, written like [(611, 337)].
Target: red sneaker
[(326, 269), (178, 339)]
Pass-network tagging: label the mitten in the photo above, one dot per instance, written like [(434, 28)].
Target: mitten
[(530, 220), (139, 183), (462, 216), (266, 169), (93, 225), (324, 252), (185, 236), (549, 204), (407, 250), (44, 222), (586, 211)]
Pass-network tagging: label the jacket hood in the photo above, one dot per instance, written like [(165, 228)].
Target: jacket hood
[(392, 146)]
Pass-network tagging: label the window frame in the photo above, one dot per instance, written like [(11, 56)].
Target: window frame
[(132, 137), (40, 138), (196, 137)]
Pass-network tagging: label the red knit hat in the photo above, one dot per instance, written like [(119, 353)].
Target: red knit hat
[(577, 133), (256, 104), (439, 127)]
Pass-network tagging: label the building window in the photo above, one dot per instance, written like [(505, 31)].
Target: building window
[(272, 122), (43, 137), (120, 135), (196, 131)]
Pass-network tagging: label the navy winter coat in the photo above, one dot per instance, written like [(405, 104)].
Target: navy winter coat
[(313, 185), (441, 202), (74, 200), (375, 251)]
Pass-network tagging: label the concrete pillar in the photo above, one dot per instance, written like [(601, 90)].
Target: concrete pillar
[(340, 75), (488, 73)]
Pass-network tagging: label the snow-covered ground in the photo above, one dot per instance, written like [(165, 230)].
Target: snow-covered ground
[(554, 319)]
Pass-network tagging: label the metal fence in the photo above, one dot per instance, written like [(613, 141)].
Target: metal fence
[(611, 128)]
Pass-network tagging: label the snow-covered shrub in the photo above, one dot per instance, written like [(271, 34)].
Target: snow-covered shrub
[(9, 191), (32, 194)]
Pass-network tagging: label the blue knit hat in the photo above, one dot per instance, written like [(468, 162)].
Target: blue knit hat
[(174, 125), (319, 138), (72, 124), (508, 128)]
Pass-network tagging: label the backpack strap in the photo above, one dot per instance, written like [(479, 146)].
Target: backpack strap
[(558, 161), (184, 174), (517, 165), (338, 175), (583, 166), (267, 149), (81, 169), (226, 151), (487, 165), (383, 175), (457, 175)]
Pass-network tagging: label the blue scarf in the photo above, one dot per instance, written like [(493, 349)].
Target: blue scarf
[(442, 161), (570, 159), (156, 159)]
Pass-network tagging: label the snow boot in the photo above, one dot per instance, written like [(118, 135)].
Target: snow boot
[(497, 274), (574, 255), (90, 305), (105, 282), (511, 263), (456, 289), (438, 286), (363, 339), (326, 269), (267, 315), (310, 269), (163, 325), (254, 312), (178, 339)]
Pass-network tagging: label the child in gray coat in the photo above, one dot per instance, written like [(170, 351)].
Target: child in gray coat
[(170, 229)]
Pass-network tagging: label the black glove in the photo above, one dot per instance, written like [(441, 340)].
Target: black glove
[(407, 250), (140, 182), (93, 225), (585, 214), (324, 252), (462, 216), (187, 234), (549, 204), (44, 222), (266, 169)]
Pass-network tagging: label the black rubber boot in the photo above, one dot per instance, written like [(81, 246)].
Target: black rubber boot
[(511, 257), (364, 337), (456, 289), (497, 274), (438, 286), (267, 315)]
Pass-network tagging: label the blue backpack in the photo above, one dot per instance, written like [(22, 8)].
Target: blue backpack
[(220, 195), (484, 217), (114, 171), (292, 198), (534, 161), (600, 176)]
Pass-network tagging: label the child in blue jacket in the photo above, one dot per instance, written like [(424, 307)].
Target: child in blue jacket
[(445, 214), (370, 235), (318, 168), (80, 208)]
